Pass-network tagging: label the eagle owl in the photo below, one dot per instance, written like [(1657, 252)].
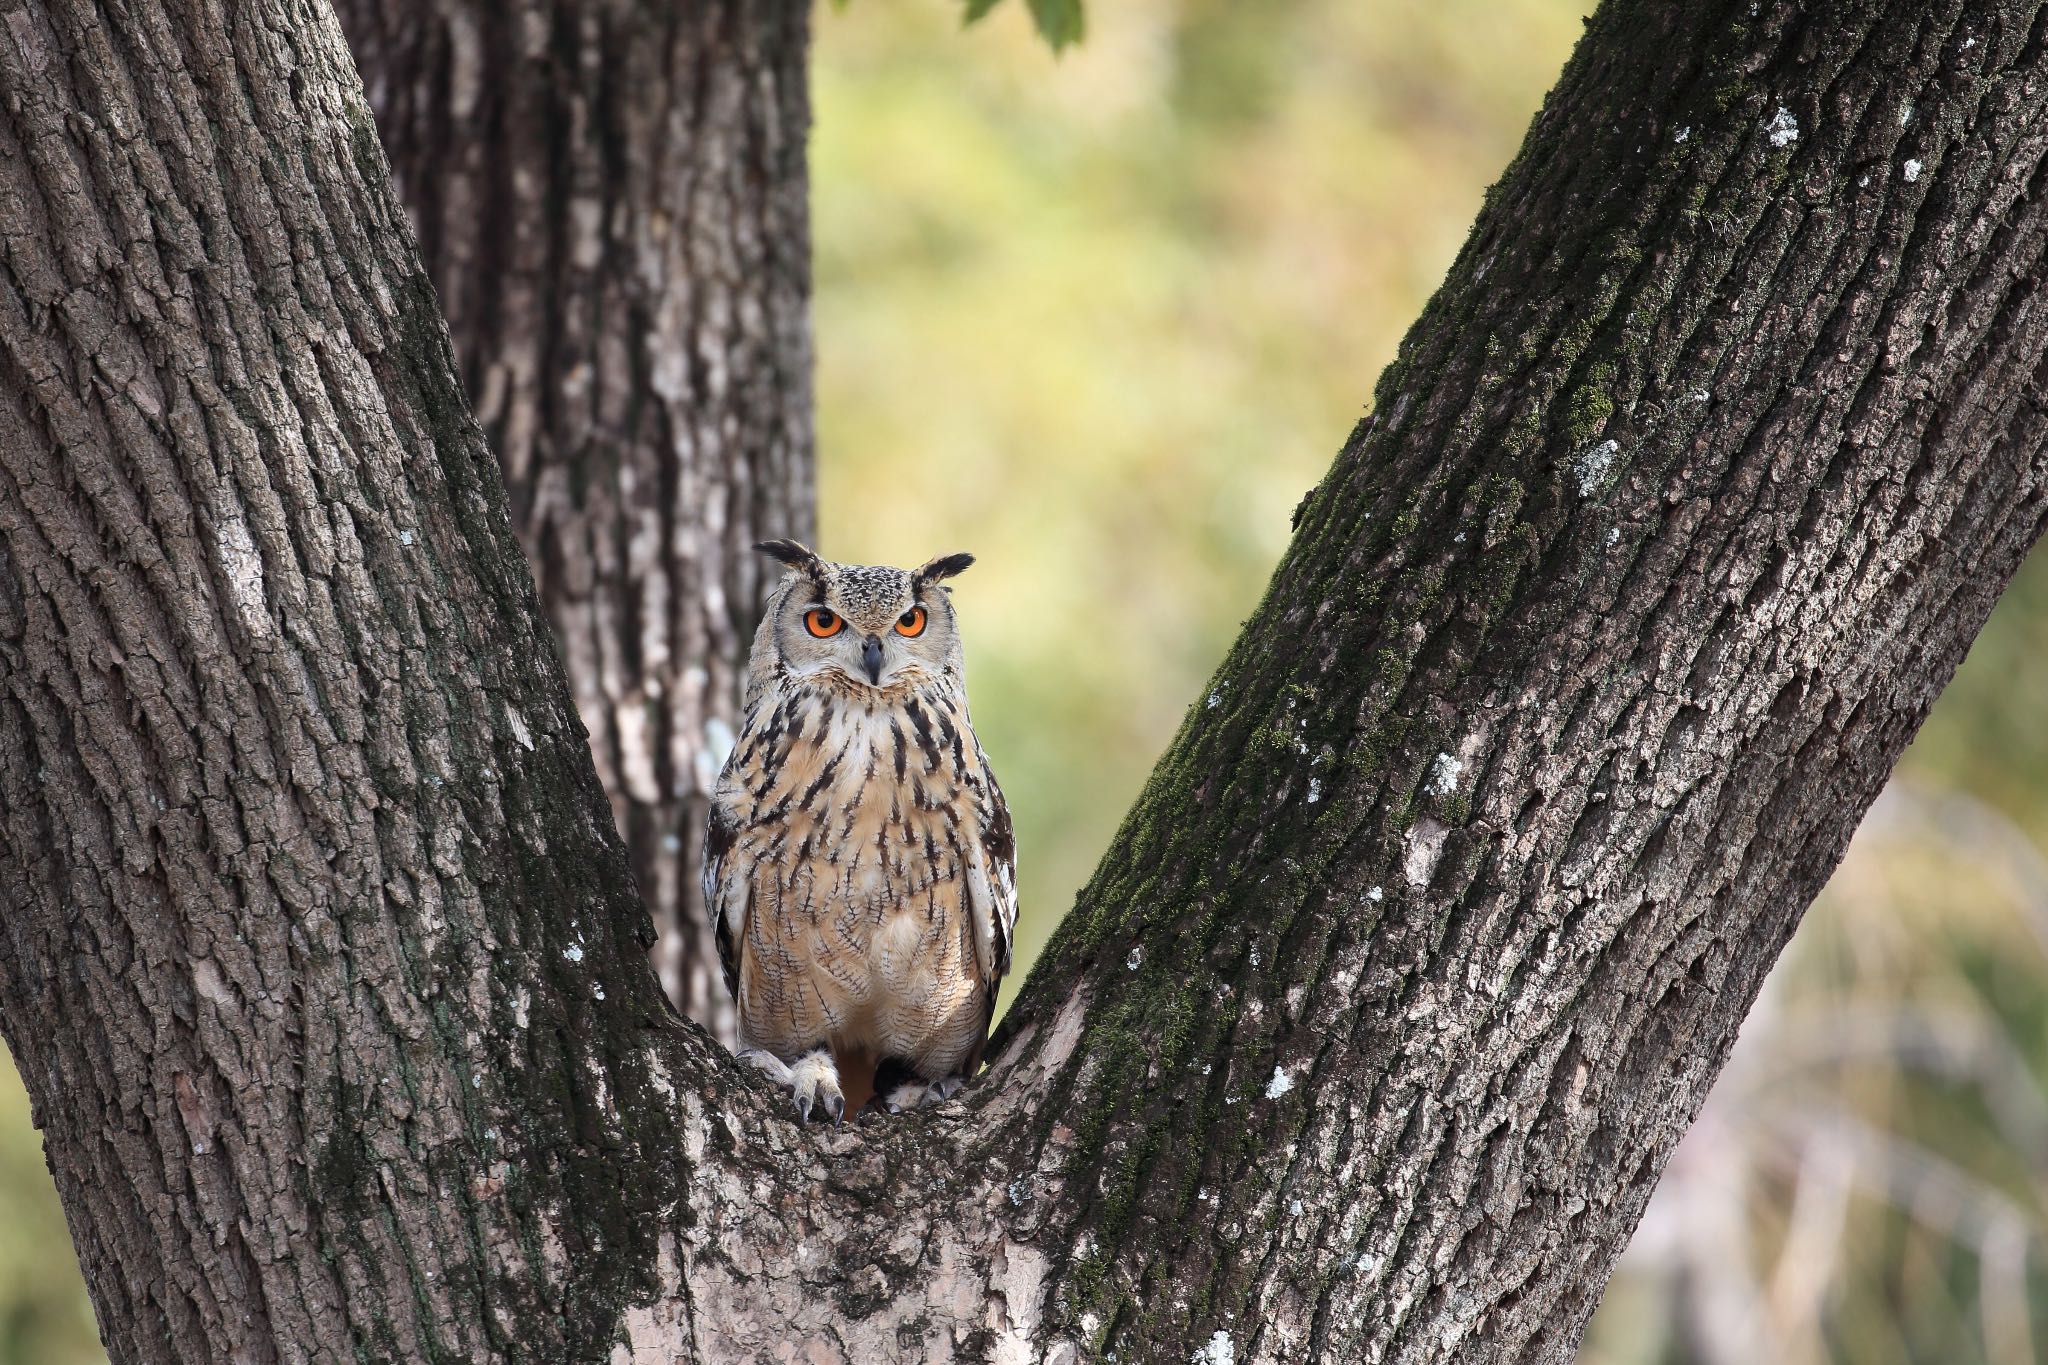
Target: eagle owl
[(859, 866)]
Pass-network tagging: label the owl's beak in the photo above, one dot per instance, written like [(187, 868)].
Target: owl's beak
[(871, 658)]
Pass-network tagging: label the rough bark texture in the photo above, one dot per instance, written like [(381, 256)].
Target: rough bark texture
[(1371, 1035), (309, 887), (610, 197)]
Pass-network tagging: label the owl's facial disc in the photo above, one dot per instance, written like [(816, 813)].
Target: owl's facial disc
[(865, 625)]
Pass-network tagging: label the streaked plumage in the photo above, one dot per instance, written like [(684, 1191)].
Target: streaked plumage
[(859, 865)]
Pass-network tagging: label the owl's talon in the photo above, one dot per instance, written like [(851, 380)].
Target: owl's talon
[(908, 1095), (812, 1081), (918, 1093), (768, 1064)]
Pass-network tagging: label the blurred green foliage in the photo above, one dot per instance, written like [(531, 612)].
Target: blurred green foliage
[(44, 1316), (1102, 319)]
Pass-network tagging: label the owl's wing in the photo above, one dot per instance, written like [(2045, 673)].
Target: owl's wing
[(992, 887), (725, 890)]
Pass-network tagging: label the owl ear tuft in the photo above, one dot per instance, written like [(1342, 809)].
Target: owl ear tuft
[(795, 554), (945, 566)]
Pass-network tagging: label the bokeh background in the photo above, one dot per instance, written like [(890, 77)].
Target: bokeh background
[(1102, 319)]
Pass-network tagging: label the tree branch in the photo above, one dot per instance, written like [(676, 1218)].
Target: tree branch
[(311, 893), (1681, 504)]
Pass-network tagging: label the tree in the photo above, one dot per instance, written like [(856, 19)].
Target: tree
[(610, 200), (1370, 1036)]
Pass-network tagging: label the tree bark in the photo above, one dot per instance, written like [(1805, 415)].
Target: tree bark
[(1373, 1031), (610, 197), (310, 887)]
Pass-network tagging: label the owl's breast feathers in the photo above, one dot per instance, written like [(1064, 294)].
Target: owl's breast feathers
[(860, 874)]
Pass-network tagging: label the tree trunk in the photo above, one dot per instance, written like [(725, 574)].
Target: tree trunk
[(1372, 1033), (610, 197)]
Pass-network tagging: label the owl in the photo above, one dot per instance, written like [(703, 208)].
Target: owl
[(859, 866)]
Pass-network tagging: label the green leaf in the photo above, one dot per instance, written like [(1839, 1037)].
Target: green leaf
[(1060, 22)]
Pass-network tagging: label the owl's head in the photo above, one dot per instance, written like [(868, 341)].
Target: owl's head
[(868, 625)]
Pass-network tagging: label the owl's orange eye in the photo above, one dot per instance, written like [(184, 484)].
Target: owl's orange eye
[(823, 622), (911, 622)]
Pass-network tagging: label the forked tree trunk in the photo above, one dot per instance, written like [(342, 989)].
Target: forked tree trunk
[(610, 197), (1371, 1035)]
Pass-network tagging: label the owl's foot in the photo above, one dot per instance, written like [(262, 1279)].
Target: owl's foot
[(812, 1081), (919, 1093), (817, 1085)]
